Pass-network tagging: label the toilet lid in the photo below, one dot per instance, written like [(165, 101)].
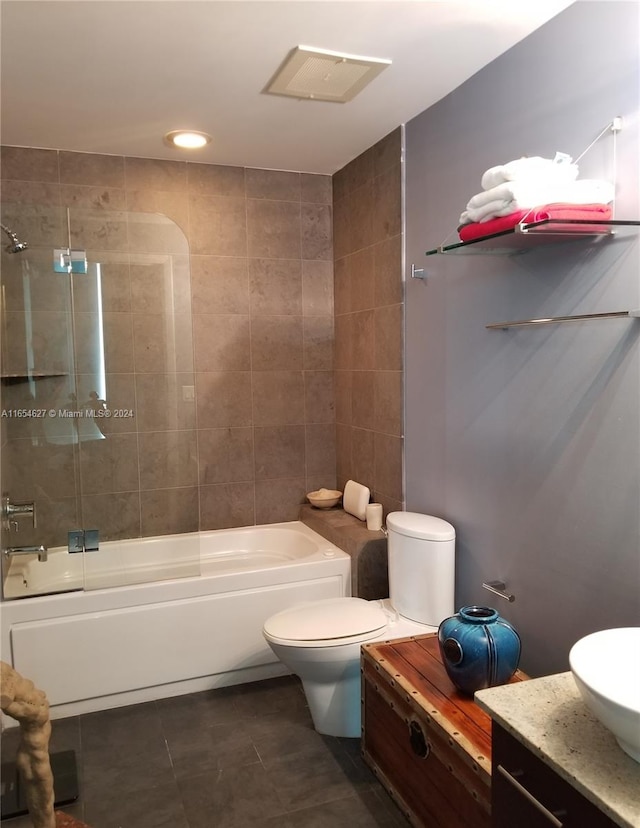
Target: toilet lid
[(327, 619)]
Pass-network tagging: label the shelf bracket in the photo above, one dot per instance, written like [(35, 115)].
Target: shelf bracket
[(417, 272)]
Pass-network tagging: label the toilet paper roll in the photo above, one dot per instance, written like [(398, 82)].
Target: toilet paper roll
[(374, 516)]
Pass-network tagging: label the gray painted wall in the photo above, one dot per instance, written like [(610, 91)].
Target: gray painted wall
[(528, 440)]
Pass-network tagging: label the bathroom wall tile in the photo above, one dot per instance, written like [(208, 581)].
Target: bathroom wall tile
[(152, 174), (56, 516), (162, 342), (387, 152), (363, 459), (111, 292), (174, 206), (38, 224), (343, 390), (219, 284), (48, 346), (275, 287), (389, 402), (388, 465), (276, 185), (316, 231), (168, 459), (216, 180), (364, 399), (118, 342), (278, 398), (362, 279), (109, 465), (387, 201), (222, 342), (319, 399), (276, 343), (342, 229), (273, 229), (320, 449), (318, 343), (316, 188), (27, 192), (389, 338), (317, 288), (279, 451), (26, 164), (155, 233), (324, 480), (364, 356), (160, 283), (389, 504), (361, 207), (93, 198), (223, 399), (342, 285), (340, 184), (162, 401), (218, 225), (116, 515), (281, 502), (91, 169), (98, 229), (360, 170), (27, 461), (387, 257), (120, 395), (227, 505), (169, 511), (343, 452), (225, 455), (344, 335)]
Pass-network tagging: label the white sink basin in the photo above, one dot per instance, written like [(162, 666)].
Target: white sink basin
[(606, 669)]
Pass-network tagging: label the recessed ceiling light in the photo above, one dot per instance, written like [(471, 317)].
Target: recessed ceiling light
[(187, 138)]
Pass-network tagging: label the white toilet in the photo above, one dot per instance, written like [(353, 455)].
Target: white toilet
[(320, 641)]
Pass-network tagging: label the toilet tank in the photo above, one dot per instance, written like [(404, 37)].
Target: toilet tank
[(421, 566)]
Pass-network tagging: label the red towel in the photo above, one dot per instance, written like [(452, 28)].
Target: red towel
[(558, 210)]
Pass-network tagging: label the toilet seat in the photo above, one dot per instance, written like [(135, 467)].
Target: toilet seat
[(327, 623)]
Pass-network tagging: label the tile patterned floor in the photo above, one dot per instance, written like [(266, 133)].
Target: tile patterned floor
[(230, 758)]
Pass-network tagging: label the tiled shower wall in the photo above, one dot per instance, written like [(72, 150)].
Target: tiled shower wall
[(256, 344), (369, 320)]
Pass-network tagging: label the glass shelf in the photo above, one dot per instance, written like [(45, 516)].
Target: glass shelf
[(527, 235)]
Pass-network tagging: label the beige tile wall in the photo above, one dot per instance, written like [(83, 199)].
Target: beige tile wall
[(367, 221), (252, 332)]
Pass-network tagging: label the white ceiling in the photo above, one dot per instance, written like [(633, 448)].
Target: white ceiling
[(112, 76)]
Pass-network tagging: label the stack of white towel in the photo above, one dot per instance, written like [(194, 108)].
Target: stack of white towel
[(528, 182)]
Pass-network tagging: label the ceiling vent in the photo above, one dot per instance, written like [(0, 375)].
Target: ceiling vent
[(320, 75)]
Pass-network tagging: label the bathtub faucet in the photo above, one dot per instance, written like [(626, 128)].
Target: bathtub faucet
[(40, 551)]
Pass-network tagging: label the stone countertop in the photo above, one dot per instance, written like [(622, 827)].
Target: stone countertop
[(549, 717)]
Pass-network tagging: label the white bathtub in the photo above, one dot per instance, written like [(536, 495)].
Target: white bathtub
[(113, 645)]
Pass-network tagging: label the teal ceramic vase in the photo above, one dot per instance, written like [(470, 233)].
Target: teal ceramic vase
[(479, 649)]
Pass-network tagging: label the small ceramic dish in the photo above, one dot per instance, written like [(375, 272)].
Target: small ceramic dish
[(324, 498)]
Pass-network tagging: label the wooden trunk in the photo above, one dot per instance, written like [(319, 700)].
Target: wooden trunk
[(429, 745)]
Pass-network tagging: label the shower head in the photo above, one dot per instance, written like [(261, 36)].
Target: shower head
[(16, 245)]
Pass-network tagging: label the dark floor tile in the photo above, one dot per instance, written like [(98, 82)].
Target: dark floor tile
[(157, 807), (267, 698), (212, 748), (121, 727), (197, 710), (236, 798), (314, 777), (275, 738), (363, 811)]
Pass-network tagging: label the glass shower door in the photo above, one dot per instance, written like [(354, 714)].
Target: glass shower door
[(98, 403)]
